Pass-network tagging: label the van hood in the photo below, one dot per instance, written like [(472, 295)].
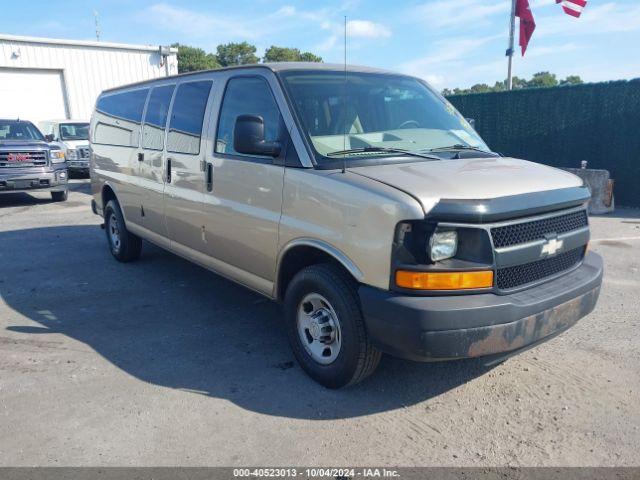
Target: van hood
[(469, 179), (74, 143)]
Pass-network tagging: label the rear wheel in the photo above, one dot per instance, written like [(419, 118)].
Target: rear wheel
[(60, 196), (124, 245), (326, 329)]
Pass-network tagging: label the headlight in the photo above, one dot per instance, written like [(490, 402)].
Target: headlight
[(56, 156), (443, 245), (72, 154)]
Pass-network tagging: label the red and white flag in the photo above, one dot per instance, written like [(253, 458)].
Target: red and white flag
[(573, 7), (527, 23)]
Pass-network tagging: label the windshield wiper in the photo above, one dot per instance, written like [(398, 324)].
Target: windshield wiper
[(401, 151), (457, 146)]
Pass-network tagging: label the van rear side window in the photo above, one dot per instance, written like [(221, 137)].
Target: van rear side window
[(119, 117), (187, 114), (155, 119)]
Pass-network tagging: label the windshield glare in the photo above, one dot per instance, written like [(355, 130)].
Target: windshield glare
[(74, 131), (18, 130), (374, 110)]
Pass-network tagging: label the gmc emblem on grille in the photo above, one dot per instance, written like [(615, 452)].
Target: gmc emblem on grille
[(18, 157), (551, 247)]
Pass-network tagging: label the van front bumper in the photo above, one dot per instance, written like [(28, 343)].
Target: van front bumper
[(78, 165), (54, 179), (428, 328)]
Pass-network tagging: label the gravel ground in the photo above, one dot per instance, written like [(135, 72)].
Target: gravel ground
[(163, 363)]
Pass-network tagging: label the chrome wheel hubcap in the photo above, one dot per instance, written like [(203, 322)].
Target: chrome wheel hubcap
[(114, 232), (319, 328)]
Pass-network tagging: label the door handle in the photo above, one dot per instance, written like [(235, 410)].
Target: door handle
[(168, 170), (209, 177), (140, 156)]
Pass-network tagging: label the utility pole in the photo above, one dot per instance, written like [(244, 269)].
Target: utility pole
[(512, 28), (97, 23)]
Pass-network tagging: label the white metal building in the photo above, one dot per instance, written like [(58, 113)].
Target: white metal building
[(43, 78)]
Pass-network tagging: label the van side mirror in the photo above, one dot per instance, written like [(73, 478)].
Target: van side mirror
[(49, 137), (248, 137)]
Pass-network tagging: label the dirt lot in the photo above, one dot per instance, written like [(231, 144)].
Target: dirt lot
[(163, 363)]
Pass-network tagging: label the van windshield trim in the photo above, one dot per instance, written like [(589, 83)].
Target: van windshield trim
[(370, 131)]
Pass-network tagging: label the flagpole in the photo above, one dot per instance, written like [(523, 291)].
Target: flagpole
[(512, 28)]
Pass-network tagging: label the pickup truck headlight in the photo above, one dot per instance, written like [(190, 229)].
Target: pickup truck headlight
[(56, 156), (72, 154), (443, 245)]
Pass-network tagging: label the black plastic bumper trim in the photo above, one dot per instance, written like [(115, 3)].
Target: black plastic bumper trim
[(507, 208), (463, 326)]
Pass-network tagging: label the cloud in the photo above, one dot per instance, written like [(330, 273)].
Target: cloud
[(448, 13), (595, 19), (551, 50), (446, 57), (366, 29), (197, 24), (358, 31)]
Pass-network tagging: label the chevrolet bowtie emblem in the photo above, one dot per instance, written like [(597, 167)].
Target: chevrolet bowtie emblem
[(551, 247)]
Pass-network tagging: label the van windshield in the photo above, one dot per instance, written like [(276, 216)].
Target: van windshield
[(371, 112), (74, 131)]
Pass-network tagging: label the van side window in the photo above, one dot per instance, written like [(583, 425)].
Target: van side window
[(119, 116), (187, 114), (155, 118), (246, 96)]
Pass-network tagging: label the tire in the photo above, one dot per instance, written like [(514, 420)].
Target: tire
[(342, 355), (60, 196), (124, 245)]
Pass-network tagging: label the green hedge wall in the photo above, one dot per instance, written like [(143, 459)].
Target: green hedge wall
[(560, 126)]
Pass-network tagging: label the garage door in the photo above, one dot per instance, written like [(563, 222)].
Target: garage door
[(31, 94)]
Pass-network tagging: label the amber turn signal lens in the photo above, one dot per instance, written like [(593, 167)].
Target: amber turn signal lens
[(444, 280)]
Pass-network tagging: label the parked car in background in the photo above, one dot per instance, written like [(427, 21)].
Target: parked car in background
[(28, 163), (364, 202), (72, 136)]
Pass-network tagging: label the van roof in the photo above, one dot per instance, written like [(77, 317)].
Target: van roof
[(274, 67)]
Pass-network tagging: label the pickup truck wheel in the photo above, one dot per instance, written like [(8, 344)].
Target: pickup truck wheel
[(326, 329), (60, 196), (124, 245)]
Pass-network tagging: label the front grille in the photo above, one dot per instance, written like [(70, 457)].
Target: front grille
[(83, 153), (517, 233), (512, 277), (21, 159)]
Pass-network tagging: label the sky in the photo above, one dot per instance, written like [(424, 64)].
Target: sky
[(450, 43)]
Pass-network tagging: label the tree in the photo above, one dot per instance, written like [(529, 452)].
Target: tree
[(284, 54), (191, 59), (236, 54), (480, 88), (281, 54), (543, 79), (310, 57), (539, 80), (571, 80)]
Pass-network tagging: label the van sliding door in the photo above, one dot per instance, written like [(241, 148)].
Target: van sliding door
[(151, 159), (183, 166)]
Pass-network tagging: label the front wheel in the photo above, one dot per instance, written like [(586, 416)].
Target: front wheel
[(124, 245), (60, 196), (326, 329)]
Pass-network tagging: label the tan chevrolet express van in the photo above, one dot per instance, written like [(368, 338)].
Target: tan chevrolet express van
[(365, 203)]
